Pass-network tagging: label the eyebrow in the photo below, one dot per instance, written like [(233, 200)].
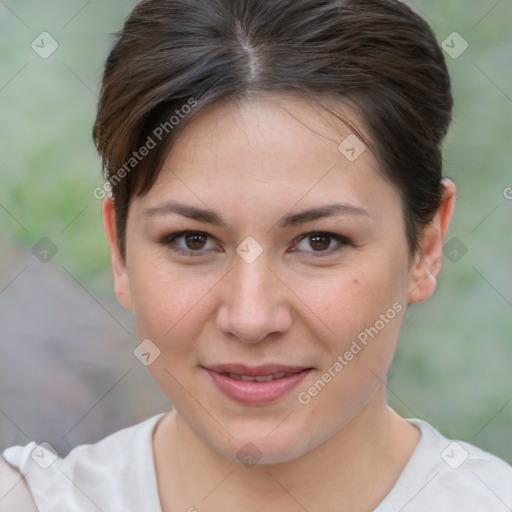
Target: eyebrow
[(291, 219)]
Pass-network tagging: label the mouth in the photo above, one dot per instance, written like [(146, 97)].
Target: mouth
[(259, 378), (256, 385)]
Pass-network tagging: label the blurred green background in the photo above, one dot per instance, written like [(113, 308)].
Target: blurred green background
[(453, 364)]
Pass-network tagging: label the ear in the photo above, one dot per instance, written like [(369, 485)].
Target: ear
[(427, 262), (121, 279)]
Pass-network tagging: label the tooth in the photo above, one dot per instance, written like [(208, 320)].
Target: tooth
[(264, 378), (259, 378)]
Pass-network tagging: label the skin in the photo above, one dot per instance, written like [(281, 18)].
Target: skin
[(298, 303)]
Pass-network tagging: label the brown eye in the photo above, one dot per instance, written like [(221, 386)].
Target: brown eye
[(195, 241), (190, 243), (319, 242)]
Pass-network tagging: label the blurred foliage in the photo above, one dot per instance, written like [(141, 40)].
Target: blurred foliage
[(453, 364)]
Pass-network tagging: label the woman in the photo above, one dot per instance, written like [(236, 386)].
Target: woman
[(277, 201)]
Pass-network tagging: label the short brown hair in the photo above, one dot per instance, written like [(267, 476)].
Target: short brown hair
[(378, 55)]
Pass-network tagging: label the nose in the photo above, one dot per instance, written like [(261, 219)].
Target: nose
[(254, 303)]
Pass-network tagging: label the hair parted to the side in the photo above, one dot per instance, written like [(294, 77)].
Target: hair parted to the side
[(376, 55)]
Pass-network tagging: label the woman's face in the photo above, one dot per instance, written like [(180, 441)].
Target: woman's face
[(296, 265)]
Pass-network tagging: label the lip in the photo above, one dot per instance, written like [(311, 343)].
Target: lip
[(254, 392)]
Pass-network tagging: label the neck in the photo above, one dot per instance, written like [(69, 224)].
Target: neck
[(355, 468)]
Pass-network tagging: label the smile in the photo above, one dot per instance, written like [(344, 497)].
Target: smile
[(261, 378), (256, 386)]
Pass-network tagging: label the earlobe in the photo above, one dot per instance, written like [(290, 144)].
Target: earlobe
[(428, 260), (121, 278)]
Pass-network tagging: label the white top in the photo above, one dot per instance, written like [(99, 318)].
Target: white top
[(117, 474)]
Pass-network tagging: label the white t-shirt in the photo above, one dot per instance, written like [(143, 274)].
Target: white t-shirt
[(117, 474)]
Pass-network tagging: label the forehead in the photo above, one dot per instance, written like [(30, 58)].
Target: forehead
[(269, 128), (270, 149)]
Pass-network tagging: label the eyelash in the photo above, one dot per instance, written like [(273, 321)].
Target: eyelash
[(169, 241)]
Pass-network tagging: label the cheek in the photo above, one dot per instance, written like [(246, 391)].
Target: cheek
[(363, 308), (364, 313), (171, 309), (169, 304), (354, 298)]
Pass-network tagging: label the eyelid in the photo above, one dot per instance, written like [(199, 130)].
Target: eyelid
[(169, 241), (342, 242)]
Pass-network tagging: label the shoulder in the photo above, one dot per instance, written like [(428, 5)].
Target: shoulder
[(448, 475), (14, 493), (116, 473)]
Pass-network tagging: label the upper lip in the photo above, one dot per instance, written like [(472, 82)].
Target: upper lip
[(255, 371)]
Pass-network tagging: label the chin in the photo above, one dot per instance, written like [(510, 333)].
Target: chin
[(259, 452), (254, 446)]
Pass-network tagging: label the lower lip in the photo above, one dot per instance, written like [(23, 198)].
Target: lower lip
[(256, 393)]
